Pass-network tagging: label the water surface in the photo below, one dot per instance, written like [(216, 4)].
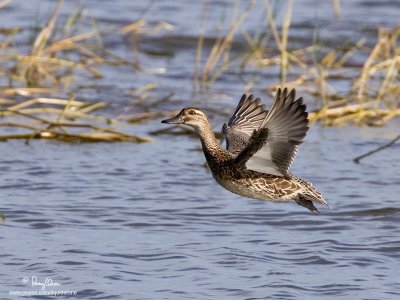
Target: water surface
[(147, 221)]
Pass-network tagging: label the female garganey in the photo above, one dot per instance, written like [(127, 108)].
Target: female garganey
[(260, 147)]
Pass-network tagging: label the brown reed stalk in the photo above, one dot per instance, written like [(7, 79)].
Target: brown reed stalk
[(50, 122), (281, 39), (222, 45)]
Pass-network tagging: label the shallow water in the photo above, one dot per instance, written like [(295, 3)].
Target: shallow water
[(148, 221), (129, 221)]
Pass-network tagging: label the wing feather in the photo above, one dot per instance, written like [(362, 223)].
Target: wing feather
[(248, 116), (286, 125)]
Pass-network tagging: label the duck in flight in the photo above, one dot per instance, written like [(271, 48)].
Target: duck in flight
[(260, 148)]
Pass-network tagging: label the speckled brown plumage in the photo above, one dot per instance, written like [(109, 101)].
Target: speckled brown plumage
[(256, 161)]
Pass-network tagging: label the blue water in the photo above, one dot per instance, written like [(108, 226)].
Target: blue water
[(147, 221)]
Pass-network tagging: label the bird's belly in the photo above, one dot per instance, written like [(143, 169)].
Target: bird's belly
[(261, 191)]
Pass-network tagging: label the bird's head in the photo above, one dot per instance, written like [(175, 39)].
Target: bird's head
[(190, 116)]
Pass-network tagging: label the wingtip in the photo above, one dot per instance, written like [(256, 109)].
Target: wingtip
[(242, 99), (284, 93), (278, 93), (300, 100)]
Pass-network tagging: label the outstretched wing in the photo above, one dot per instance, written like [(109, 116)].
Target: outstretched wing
[(248, 116), (272, 148)]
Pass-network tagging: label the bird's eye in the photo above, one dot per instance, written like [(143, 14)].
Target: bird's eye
[(191, 112)]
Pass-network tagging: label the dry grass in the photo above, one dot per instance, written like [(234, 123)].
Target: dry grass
[(47, 62), (374, 96), (56, 59), (218, 59), (66, 120)]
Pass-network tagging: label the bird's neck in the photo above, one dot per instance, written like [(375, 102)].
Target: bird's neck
[(211, 147)]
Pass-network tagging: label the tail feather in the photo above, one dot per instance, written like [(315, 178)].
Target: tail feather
[(315, 196), (309, 192)]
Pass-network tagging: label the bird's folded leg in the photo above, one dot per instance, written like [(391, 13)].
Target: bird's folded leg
[(303, 201)]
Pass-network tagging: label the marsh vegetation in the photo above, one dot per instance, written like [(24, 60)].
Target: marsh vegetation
[(92, 207), (351, 81)]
